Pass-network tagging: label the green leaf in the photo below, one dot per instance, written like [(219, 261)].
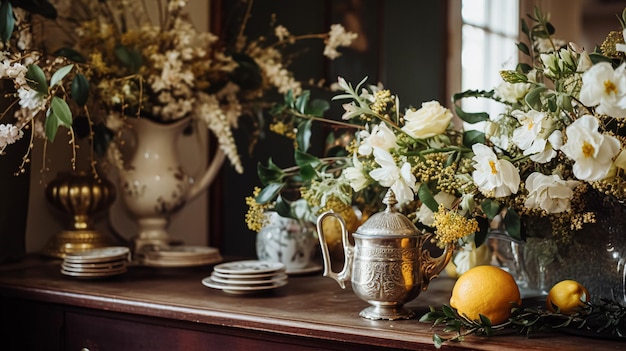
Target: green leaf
[(282, 207), (58, 76), (317, 107), (307, 172), (303, 136), (303, 159), (270, 173), (427, 198), (51, 125), (70, 54), (36, 79), (438, 341), (483, 231), (533, 98), (491, 208), (471, 117), (62, 111), (448, 311), (130, 58), (80, 89), (269, 193), (484, 320), (512, 224), (7, 21), (523, 48), (302, 101), (472, 137)]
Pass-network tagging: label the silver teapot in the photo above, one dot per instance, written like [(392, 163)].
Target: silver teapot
[(388, 263)]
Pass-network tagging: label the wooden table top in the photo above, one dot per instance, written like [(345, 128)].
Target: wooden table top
[(309, 306)]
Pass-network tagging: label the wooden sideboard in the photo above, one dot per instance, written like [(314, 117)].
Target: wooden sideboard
[(169, 309)]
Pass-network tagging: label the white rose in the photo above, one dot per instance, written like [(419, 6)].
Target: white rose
[(512, 92), (428, 121)]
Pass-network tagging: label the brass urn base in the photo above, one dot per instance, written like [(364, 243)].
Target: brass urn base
[(69, 241)]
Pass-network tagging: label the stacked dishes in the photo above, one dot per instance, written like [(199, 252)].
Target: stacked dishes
[(245, 277), (96, 263), (179, 256)]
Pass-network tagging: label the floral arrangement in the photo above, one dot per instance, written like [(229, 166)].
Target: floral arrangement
[(557, 146), (156, 65)]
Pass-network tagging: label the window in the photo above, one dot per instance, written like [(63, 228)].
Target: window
[(489, 32)]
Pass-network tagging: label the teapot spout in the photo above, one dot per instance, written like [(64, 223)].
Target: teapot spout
[(348, 248)]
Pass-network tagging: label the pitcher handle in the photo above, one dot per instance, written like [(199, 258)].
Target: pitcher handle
[(348, 249), (209, 175), (432, 266)]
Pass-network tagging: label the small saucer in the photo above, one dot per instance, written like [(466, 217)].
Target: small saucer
[(311, 268), (232, 289)]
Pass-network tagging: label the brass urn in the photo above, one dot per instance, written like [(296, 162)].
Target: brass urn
[(388, 265), (81, 196)]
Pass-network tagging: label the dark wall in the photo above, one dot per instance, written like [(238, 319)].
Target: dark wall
[(404, 48)]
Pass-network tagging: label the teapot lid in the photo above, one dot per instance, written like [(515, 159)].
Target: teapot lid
[(388, 222)]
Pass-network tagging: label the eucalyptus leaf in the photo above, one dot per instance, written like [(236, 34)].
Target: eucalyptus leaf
[(523, 48), (483, 231), (472, 137), (427, 198), (62, 111), (130, 58), (303, 136), (51, 125), (7, 21), (80, 89), (491, 208), (36, 79), (58, 76), (282, 207), (512, 224), (302, 101), (533, 98), (269, 193), (70, 54)]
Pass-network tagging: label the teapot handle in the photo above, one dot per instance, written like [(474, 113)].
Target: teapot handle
[(432, 266), (348, 249)]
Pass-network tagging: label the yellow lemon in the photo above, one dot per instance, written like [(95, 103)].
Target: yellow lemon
[(486, 290), (567, 296)]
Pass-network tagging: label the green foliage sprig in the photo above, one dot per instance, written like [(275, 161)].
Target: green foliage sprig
[(606, 318)]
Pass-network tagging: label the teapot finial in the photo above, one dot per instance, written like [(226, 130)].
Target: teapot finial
[(390, 201)]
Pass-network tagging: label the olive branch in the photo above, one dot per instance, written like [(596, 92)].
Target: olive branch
[(607, 318)]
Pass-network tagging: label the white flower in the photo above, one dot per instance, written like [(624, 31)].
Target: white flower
[(428, 121), (491, 174), (591, 151), (355, 174), (337, 37), (554, 142), (606, 88), (527, 133), (9, 134), (426, 216), (281, 32), (381, 137), (400, 180), (512, 92), (550, 193), (31, 99)]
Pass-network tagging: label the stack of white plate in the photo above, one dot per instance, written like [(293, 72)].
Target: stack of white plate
[(244, 277), (96, 263), (179, 256)]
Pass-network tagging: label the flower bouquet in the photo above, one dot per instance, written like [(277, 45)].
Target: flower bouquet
[(135, 59), (553, 159)]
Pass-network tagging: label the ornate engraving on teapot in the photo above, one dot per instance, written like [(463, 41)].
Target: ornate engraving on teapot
[(387, 265)]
